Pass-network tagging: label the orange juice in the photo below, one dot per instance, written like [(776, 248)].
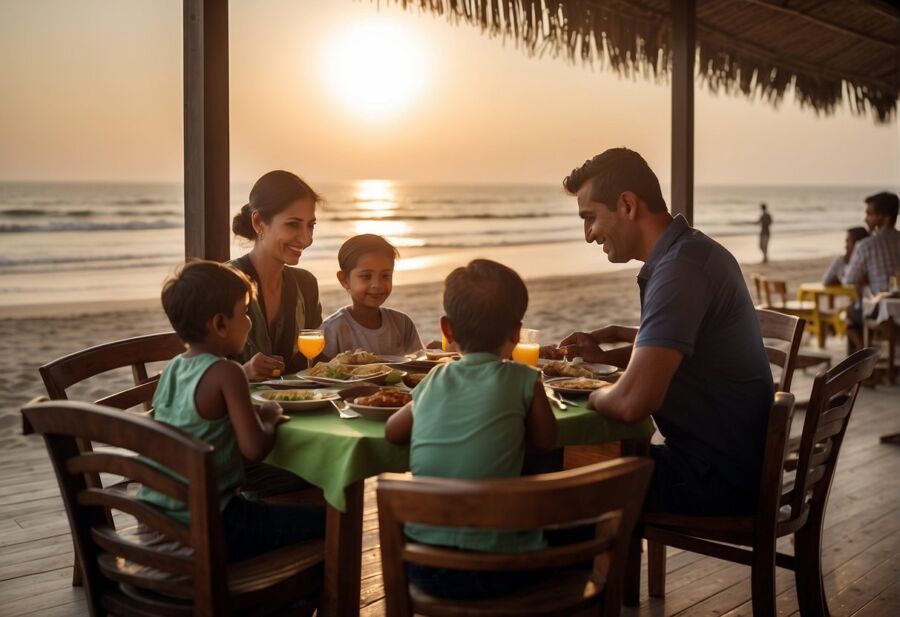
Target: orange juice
[(526, 353), (443, 342), (311, 345)]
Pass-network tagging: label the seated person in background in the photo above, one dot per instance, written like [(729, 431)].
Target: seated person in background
[(473, 419), (207, 396), (367, 273), (835, 271), (874, 260), (698, 365)]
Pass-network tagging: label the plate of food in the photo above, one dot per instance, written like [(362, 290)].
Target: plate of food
[(331, 373), (296, 400), (287, 384), (361, 357), (412, 379), (381, 404), (567, 368), (575, 386)]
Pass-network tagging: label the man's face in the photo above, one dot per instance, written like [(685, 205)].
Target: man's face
[(611, 229), (874, 220)]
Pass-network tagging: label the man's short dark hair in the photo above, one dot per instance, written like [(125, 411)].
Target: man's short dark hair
[(199, 291), (885, 204), (615, 171), (485, 302)]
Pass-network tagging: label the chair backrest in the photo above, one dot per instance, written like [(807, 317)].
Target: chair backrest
[(137, 352), (830, 404), (776, 292), (609, 494), (195, 573), (787, 329), (776, 450), (759, 282)]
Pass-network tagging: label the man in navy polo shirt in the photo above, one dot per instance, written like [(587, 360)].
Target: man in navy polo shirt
[(697, 364)]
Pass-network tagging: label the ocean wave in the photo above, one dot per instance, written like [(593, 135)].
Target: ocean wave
[(42, 213), (126, 259), (58, 226), (443, 217)]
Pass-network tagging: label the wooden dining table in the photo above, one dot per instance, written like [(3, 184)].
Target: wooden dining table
[(815, 292), (337, 455)]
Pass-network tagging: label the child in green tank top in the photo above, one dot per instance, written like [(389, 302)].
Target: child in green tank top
[(206, 395), (472, 419)]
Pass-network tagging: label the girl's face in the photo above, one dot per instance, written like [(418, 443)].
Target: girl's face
[(370, 281), (288, 233)]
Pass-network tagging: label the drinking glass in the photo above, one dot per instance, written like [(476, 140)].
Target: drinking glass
[(311, 343), (444, 342), (528, 348)]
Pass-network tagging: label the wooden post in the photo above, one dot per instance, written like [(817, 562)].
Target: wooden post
[(206, 171), (683, 48)]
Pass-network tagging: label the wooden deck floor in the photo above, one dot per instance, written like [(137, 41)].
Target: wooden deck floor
[(861, 547)]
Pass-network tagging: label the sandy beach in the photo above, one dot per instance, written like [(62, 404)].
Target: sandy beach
[(558, 305)]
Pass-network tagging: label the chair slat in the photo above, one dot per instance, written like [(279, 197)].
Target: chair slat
[(132, 573), (131, 397), (130, 467), (111, 499), (829, 429), (115, 543), (429, 555)]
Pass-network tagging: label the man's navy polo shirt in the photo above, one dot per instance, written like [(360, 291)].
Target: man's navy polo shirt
[(694, 299)]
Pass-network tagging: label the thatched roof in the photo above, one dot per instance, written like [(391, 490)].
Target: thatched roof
[(824, 50)]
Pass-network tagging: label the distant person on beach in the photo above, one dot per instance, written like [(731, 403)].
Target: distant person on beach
[(367, 274), (764, 222), (279, 218), (697, 363), (474, 419), (835, 272), (207, 396), (875, 259)]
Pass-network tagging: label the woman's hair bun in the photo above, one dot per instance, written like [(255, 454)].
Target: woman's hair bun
[(242, 223)]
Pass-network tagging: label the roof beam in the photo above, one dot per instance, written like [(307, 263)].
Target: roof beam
[(819, 21), (683, 52)]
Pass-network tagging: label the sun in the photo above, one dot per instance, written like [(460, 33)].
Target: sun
[(376, 69)]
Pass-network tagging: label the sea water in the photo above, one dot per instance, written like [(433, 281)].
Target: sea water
[(63, 243)]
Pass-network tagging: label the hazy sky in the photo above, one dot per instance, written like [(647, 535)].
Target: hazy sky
[(92, 90)]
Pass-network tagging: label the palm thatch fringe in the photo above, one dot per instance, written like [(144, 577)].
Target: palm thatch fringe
[(742, 47)]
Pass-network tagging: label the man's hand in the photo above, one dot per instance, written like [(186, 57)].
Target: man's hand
[(261, 366), (582, 345)]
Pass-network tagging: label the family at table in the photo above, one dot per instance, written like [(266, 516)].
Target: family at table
[(696, 365)]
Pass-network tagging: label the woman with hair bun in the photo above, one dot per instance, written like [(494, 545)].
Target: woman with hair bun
[(279, 219)]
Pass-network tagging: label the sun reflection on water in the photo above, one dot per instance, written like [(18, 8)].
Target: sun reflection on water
[(377, 199)]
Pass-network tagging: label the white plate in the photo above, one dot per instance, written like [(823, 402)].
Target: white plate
[(597, 369), (329, 381), (552, 383), (325, 397), (371, 412)]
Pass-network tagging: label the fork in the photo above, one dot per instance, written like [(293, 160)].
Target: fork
[(344, 410)]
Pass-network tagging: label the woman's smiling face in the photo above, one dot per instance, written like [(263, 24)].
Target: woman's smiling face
[(289, 233)]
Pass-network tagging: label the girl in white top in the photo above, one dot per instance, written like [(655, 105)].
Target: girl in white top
[(367, 272)]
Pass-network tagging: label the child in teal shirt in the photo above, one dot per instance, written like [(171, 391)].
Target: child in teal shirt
[(472, 419), (202, 393)]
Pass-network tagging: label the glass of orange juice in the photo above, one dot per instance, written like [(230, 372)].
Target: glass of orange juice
[(528, 347), (311, 343), (444, 343)]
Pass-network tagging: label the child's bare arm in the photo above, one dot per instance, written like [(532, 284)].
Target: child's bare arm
[(540, 423), (255, 433), (398, 429)]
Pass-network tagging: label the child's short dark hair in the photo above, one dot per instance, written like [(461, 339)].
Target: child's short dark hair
[(485, 302), (357, 246), (199, 291)]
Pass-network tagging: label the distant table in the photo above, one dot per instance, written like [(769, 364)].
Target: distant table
[(338, 455), (815, 291), (886, 311)]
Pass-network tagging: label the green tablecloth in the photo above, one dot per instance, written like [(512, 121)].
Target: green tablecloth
[(333, 453)]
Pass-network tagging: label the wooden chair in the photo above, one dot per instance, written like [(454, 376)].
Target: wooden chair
[(609, 494), (793, 496), (759, 284), (128, 571), (787, 329), (136, 353), (778, 299), (885, 331)]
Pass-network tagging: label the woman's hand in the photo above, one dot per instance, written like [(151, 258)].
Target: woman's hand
[(261, 366)]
